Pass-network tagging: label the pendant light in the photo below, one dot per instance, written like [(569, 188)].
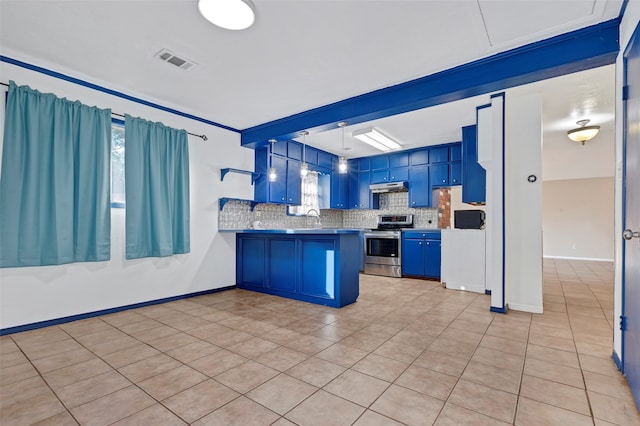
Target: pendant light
[(304, 167), (342, 161), (272, 173), (583, 133)]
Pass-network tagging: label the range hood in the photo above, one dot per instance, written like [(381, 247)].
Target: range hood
[(378, 188)]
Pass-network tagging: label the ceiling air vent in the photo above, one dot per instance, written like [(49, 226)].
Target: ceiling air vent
[(169, 57)]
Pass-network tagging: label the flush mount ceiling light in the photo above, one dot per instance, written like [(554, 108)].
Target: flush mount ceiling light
[(584, 132), (342, 160), (376, 139), (228, 14), (304, 167)]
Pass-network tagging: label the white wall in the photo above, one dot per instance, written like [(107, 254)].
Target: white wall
[(35, 294), (629, 22), (523, 202), (578, 218)]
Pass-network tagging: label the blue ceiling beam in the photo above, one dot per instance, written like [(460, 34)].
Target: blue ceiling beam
[(579, 50)]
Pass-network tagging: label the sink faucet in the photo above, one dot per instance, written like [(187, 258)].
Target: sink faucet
[(317, 223)]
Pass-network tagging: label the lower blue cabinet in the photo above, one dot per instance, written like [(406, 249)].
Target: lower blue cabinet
[(250, 268), (421, 254), (316, 268), (281, 262), (317, 278)]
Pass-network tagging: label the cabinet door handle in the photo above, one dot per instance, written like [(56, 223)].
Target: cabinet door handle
[(420, 243), (428, 243)]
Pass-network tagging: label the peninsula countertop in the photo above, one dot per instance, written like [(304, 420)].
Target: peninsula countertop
[(301, 231)]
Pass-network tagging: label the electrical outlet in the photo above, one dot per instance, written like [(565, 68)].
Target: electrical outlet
[(573, 246), (258, 214)]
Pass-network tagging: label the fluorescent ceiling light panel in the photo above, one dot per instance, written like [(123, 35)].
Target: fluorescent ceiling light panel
[(376, 139)]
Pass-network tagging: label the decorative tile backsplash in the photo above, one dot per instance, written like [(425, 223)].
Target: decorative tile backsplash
[(391, 203), (237, 214)]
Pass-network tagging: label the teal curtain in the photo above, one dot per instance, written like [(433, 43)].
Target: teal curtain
[(157, 189), (54, 185)]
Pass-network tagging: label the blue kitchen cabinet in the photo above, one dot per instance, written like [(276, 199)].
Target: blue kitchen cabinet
[(360, 196), (380, 176), (455, 173), (439, 175), (287, 187), (364, 164), (380, 162), (433, 258), (398, 174), (294, 150), (421, 254), (279, 148), (354, 191), (312, 266), (316, 274), (310, 156), (419, 188), (250, 265), (278, 189), (455, 152), (325, 161), (293, 183), (446, 174), (474, 176), (282, 261), (400, 159), (339, 191), (439, 154), (412, 257), (419, 157), (289, 149)]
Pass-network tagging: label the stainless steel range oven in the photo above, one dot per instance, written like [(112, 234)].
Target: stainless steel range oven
[(383, 248)]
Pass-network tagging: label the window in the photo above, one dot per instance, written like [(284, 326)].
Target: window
[(310, 188), (117, 165)]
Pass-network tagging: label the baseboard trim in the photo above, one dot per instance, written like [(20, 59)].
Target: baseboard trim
[(526, 308), (56, 321), (591, 259), (498, 310), (617, 361)]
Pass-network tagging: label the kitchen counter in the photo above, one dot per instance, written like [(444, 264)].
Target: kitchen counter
[(313, 265), (298, 231)]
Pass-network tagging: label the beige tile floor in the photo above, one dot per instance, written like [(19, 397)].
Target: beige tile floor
[(408, 352)]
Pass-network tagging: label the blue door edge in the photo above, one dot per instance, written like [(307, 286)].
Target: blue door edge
[(619, 359)]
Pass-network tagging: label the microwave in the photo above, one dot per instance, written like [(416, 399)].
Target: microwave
[(468, 219)]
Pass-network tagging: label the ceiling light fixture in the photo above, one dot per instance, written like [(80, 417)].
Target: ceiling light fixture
[(583, 133), (342, 160), (272, 174), (304, 167), (228, 14), (376, 139)]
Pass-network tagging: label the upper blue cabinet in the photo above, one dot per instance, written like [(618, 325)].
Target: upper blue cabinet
[(473, 174), (419, 157), (439, 155)]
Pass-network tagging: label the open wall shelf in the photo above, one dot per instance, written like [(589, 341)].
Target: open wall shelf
[(254, 175), (225, 200)]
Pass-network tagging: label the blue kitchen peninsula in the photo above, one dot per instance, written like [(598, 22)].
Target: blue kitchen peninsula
[(313, 265)]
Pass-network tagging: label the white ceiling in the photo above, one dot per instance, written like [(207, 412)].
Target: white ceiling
[(301, 54)]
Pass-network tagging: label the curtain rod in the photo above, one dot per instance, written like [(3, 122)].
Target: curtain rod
[(203, 137)]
